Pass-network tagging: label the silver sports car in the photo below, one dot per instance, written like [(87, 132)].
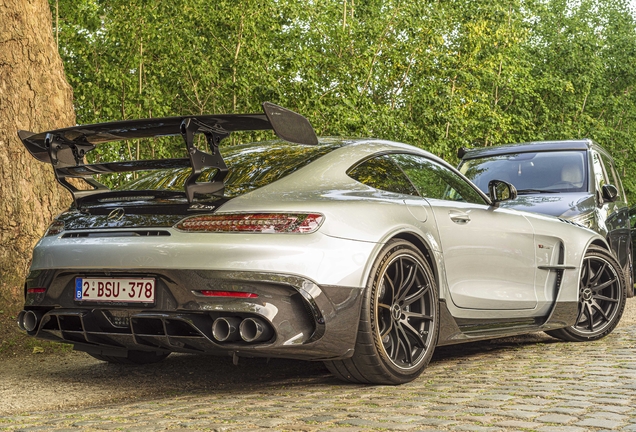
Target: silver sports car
[(362, 253)]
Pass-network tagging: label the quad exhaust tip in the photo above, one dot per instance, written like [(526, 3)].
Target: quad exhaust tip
[(250, 330), (226, 329), (29, 320), (255, 330)]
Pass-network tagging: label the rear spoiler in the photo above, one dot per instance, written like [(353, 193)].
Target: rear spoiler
[(66, 148)]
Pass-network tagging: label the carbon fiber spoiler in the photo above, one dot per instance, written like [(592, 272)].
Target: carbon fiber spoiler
[(66, 148)]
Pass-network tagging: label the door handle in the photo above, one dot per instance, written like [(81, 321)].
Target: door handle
[(459, 217)]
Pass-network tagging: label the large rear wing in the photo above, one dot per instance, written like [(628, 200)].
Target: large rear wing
[(65, 149)]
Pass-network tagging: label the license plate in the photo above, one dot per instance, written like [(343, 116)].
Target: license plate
[(134, 290)]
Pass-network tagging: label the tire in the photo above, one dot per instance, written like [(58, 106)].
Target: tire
[(133, 357), (399, 320), (602, 296)]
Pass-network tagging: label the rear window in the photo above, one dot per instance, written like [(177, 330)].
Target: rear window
[(535, 172), (250, 166)]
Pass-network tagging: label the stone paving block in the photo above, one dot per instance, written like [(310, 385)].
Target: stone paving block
[(519, 414), (600, 423), (518, 424), (556, 418), (609, 416), (566, 411), (476, 428)]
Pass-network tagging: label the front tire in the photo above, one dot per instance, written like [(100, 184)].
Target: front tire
[(602, 294), (399, 321)]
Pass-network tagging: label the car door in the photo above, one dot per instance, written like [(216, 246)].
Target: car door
[(489, 253)]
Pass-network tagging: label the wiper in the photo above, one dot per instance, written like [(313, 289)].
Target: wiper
[(531, 191)]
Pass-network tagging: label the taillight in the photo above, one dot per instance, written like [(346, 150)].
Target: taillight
[(36, 290), (302, 223), (55, 228), (237, 294)]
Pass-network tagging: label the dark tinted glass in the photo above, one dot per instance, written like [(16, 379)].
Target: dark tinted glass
[(558, 171), (251, 166), (382, 173), (433, 180)]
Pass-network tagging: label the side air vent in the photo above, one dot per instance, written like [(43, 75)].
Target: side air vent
[(101, 234), (571, 223)]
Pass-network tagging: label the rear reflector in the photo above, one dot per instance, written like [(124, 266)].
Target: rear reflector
[(36, 290), (302, 223), (239, 294)]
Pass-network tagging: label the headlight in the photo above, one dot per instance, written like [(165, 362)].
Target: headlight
[(584, 219)]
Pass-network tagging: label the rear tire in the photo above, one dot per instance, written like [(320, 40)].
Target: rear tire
[(602, 295), (133, 357), (399, 321)]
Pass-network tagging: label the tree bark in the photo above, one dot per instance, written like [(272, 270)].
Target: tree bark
[(35, 96)]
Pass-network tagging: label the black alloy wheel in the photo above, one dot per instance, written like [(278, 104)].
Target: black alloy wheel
[(601, 300), (399, 323)]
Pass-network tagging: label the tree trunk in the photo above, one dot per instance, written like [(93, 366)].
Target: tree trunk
[(34, 96)]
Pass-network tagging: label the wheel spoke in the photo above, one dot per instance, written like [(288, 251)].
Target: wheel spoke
[(604, 285), (406, 344), (418, 336), (598, 308), (417, 315), (387, 330), (589, 315), (406, 283), (418, 294), (391, 286), (598, 275), (604, 298)]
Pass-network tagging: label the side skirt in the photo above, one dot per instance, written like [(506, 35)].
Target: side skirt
[(453, 331)]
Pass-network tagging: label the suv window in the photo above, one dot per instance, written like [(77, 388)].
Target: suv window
[(611, 175), (554, 171)]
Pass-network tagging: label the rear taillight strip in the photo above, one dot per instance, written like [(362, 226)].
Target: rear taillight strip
[(300, 223)]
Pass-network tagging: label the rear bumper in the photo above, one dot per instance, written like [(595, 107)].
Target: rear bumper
[(308, 321)]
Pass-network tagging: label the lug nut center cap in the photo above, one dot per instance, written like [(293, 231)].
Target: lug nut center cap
[(587, 294)]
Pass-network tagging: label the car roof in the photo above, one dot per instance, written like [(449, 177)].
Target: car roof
[(536, 146)]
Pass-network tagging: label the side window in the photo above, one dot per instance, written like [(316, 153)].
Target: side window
[(600, 176), (382, 173), (611, 174), (433, 180)]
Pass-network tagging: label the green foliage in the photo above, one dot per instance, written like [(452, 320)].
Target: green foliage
[(437, 74)]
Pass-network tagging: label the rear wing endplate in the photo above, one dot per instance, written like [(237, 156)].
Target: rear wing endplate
[(65, 149)]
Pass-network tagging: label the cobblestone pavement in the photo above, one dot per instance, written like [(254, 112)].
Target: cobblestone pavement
[(528, 383)]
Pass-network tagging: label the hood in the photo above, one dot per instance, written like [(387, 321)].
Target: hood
[(557, 204)]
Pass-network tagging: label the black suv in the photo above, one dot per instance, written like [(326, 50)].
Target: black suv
[(573, 180)]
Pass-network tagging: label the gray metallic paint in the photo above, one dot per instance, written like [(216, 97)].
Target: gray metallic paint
[(330, 268)]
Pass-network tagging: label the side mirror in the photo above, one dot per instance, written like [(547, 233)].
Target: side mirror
[(499, 190), (610, 193)]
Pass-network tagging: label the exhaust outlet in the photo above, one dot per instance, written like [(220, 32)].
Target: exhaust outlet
[(255, 330), (21, 320), (226, 329), (30, 320)]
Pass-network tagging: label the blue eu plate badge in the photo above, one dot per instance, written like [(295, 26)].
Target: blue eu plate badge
[(78, 288)]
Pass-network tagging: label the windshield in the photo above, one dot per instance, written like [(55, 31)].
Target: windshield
[(539, 172), (250, 166)]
